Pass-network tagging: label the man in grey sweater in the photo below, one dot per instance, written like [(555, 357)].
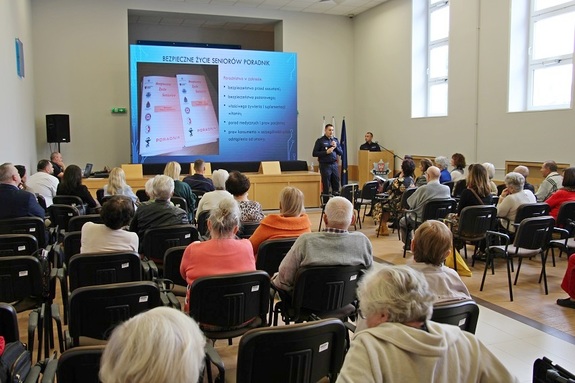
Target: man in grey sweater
[(333, 246)]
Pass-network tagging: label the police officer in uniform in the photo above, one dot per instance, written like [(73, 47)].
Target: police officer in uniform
[(369, 144), (326, 149)]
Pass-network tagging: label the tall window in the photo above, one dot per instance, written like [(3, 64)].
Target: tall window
[(548, 60), (430, 55)]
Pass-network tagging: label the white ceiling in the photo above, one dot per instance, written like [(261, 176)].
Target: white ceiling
[(347, 8)]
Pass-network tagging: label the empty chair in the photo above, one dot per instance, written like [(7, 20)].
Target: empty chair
[(158, 239), (526, 210), (80, 364), (90, 269), (301, 353), (26, 225), (474, 221), (366, 197), (8, 323), (18, 244), (565, 225), (530, 241), (464, 314)]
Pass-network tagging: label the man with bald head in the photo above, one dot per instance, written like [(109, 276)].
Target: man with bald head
[(432, 190), (15, 203), (524, 171), (334, 246)]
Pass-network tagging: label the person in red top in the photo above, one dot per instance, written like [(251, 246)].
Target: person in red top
[(566, 193), (223, 253), (290, 222)]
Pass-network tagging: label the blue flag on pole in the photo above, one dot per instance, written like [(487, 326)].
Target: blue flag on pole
[(343, 143)]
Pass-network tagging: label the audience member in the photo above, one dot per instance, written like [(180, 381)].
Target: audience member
[(239, 185), (461, 185), (57, 164), (424, 164), (42, 182), (116, 213), (458, 163), (552, 182), (478, 191), (564, 194), (181, 189), (223, 253), (290, 222), (382, 211), (335, 245), (568, 284), (198, 181), (402, 344), (524, 171), (23, 177), (159, 345), (117, 185), (71, 184), (442, 163), (149, 189), (490, 168), (513, 196), (160, 212), (369, 144), (432, 190), (211, 199), (15, 203)]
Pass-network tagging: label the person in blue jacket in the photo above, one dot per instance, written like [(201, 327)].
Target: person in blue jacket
[(326, 149)]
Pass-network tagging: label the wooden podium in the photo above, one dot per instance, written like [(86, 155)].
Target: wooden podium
[(366, 160)]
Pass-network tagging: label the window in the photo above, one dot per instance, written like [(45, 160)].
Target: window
[(545, 77), (430, 55)]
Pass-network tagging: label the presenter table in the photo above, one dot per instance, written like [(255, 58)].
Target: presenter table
[(264, 188)]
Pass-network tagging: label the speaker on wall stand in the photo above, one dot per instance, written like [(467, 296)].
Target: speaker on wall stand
[(57, 128)]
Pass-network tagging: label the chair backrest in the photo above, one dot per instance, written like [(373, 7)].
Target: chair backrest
[(25, 225), (68, 200), (96, 310), (406, 194), (72, 244), (299, 353), (500, 188), (534, 233), (230, 300), (369, 190), (271, 253), (158, 239), (247, 229), (566, 215), (80, 364), (142, 196), (474, 221), (76, 222), (60, 214), (449, 184), (321, 289), (17, 244), (105, 199), (42, 201), (202, 222), (198, 193), (92, 269), (464, 314), (8, 323), (20, 277), (179, 202), (349, 192), (100, 195), (172, 260), (528, 210), (438, 209)]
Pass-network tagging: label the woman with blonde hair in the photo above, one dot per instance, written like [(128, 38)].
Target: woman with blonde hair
[(181, 189), (159, 345), (117, 185), (290, 222)]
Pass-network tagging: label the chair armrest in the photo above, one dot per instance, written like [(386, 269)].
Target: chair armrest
[(490, 235), (563, 233), (49, 375), (149, 270), (212, 356)]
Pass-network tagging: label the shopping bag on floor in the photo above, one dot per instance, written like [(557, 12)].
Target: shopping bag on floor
[(462, 268)]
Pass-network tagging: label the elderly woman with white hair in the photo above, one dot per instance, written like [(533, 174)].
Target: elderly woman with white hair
[(181, 189), (490, 168), (211, 199), (402, 344), (443, 164), (511, 198), (160, 345)]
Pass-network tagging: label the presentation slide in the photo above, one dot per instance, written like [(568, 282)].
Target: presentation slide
[(220, 105)]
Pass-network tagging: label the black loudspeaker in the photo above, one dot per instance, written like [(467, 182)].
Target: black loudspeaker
[(58, 128)]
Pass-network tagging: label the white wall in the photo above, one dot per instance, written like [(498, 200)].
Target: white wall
[(81, 48), (18, 143), (478, 124)]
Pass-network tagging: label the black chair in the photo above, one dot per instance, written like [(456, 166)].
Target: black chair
[(449, 184), (296, 353), (71, 200), (202, 223), (26, 225), (9, 323), (397, 213), (179, 202), (474, 222), (80, 364), (142, 196), (76, 223), (247, 229), (530, 240), (323, 200), (526, 210), (436, 209), (198, 193), (158, 239), (271, 253), (565, 227), (60, 215), (92, 269), (464, 314), (349, 192), (366, 197), (172, 260), (18, 244), (96, 310), (320, 292), (100, 195)]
